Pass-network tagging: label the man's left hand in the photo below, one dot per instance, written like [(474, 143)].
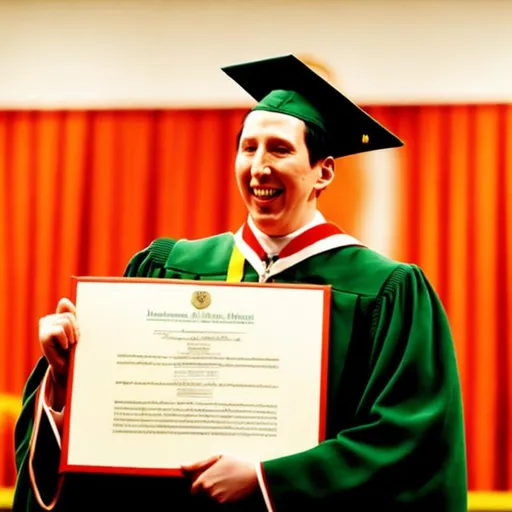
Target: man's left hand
[(224, 480)]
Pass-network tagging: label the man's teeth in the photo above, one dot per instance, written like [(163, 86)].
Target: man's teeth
[(265, 192)]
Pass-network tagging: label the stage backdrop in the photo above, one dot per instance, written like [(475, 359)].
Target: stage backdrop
[(81, 191)]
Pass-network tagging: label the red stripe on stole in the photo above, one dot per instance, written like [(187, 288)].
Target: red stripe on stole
[(305, 239)]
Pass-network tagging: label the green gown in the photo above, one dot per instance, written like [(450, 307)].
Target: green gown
[(395, 436)]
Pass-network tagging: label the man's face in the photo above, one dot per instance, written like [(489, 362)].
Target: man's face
[(278, 184)]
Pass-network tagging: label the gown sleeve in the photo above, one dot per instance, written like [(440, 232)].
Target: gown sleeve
[(405, 447), (37, 450)]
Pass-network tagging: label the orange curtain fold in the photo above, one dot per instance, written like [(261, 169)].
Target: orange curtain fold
[(81, 191)]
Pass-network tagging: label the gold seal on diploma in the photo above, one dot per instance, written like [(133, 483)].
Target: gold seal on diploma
[(201, 300)]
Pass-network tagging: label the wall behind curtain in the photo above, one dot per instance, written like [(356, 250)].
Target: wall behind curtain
[(81, 191)]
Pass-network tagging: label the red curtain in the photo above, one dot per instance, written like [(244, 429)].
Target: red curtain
[(81, 191)]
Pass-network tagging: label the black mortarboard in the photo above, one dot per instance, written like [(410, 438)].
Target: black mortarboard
[(288, 86)]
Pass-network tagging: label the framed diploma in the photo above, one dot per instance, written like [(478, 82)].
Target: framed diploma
[(169, 372)]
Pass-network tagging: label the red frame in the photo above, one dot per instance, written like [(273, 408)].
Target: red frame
[(66, 467)]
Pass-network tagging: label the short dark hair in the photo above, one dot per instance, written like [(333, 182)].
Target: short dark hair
[(317, 143), (315, 138)]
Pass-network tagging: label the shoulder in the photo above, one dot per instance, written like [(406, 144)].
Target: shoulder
[(202, 255), (363, 271)]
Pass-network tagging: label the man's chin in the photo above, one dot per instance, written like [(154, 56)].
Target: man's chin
[(268, 223)]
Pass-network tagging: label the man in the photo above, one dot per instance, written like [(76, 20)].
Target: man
[(394, 416)]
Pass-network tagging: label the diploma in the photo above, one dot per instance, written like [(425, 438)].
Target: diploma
[(168, 372)]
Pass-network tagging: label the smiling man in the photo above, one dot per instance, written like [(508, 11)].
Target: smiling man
[(395, 436), (278, 181)]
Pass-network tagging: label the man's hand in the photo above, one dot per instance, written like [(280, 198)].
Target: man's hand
[(57, 333), (223, 478)]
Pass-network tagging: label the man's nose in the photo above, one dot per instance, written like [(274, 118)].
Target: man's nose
[(258, 171), (259, 167)]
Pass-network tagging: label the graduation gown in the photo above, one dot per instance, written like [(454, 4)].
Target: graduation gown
[(395, 436)]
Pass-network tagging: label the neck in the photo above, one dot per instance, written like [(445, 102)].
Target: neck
[(310, 218), (273, 244)]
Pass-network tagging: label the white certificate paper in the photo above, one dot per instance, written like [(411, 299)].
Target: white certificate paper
[(170, 372)]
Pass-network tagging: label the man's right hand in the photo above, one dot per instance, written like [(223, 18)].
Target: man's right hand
[(57, 333)]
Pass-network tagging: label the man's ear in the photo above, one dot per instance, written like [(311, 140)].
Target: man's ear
[(325, 175)]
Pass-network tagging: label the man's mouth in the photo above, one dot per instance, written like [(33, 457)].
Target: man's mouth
[(266, 193)]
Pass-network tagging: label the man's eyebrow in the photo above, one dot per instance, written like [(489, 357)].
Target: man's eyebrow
[(270, 138), (246, 139)]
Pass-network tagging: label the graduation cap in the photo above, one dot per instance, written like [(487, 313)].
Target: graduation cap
[(288, 86)]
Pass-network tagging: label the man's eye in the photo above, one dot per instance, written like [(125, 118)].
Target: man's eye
[(282, 150), (249, 149)]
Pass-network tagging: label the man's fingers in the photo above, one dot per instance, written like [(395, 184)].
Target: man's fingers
[(68, 309), (199, 485), (200, 466), (56, 352), (54, 334), (66, 306), (196, 485), (69, 324)]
